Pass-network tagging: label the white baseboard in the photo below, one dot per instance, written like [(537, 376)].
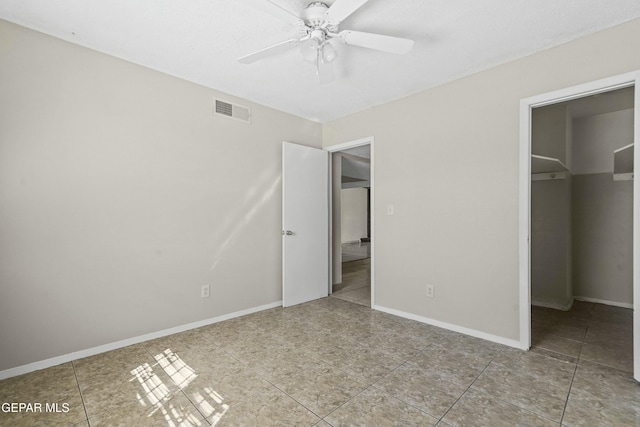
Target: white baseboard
[(47, 363), (554, 306), (604, 301), (452, 327)]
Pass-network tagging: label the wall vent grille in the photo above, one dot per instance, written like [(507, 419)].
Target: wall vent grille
[(238, 112), (224, 108)]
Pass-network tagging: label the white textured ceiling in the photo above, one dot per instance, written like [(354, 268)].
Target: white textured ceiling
[(200, 40)]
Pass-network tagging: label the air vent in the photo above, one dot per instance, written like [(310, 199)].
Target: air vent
[(238, 112), (224, 108)]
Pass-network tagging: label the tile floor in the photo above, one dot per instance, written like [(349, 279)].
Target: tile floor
[(356, 274), (356, 282), (334, 363), (591, 332), (353, 251)]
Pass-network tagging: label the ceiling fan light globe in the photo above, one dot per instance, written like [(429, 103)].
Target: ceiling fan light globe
[(309, 50), (329, 53)]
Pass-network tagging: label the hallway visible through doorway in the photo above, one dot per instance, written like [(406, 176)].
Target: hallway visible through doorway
[(356, 274)]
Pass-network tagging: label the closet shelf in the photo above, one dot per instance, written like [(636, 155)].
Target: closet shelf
[(542, 164), (623, 160)]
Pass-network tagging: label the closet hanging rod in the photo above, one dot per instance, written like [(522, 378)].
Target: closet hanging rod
[(549, 176)]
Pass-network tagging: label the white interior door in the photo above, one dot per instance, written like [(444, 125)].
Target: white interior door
[(305, 224)]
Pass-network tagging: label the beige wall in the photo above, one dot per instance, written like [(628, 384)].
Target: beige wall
[(121, 194), (551, 212), (602, 210), (596, 137), (447, 158), (551, 254), (354, 214), (336, 218), (549, 132), (603, 238)]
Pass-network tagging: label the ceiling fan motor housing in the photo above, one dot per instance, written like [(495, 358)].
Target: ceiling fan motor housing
[(314, 17)]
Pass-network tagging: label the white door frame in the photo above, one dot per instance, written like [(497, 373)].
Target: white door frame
[(341, 147), (526, 105)]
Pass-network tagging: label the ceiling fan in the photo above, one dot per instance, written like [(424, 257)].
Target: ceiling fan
[(318, 28)]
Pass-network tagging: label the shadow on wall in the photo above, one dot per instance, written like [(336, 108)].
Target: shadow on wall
[(238, 218)]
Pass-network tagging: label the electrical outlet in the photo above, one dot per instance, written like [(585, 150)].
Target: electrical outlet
[(204, 291), (429, 291)]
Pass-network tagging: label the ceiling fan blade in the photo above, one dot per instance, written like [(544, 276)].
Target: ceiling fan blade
[(268, 51), (282, 13), (376, 41), (326, 72), (274, 9), (341, 9)]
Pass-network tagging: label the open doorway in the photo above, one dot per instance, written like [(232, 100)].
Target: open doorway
[(352, 219), (579, 223), (582, 228)]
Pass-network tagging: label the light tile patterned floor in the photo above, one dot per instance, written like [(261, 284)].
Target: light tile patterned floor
[(356, 282), (334, 363), (356, 274), (353, 251)]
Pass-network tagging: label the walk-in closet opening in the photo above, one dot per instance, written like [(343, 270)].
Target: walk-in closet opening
[(351, 223), (582, 228)]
